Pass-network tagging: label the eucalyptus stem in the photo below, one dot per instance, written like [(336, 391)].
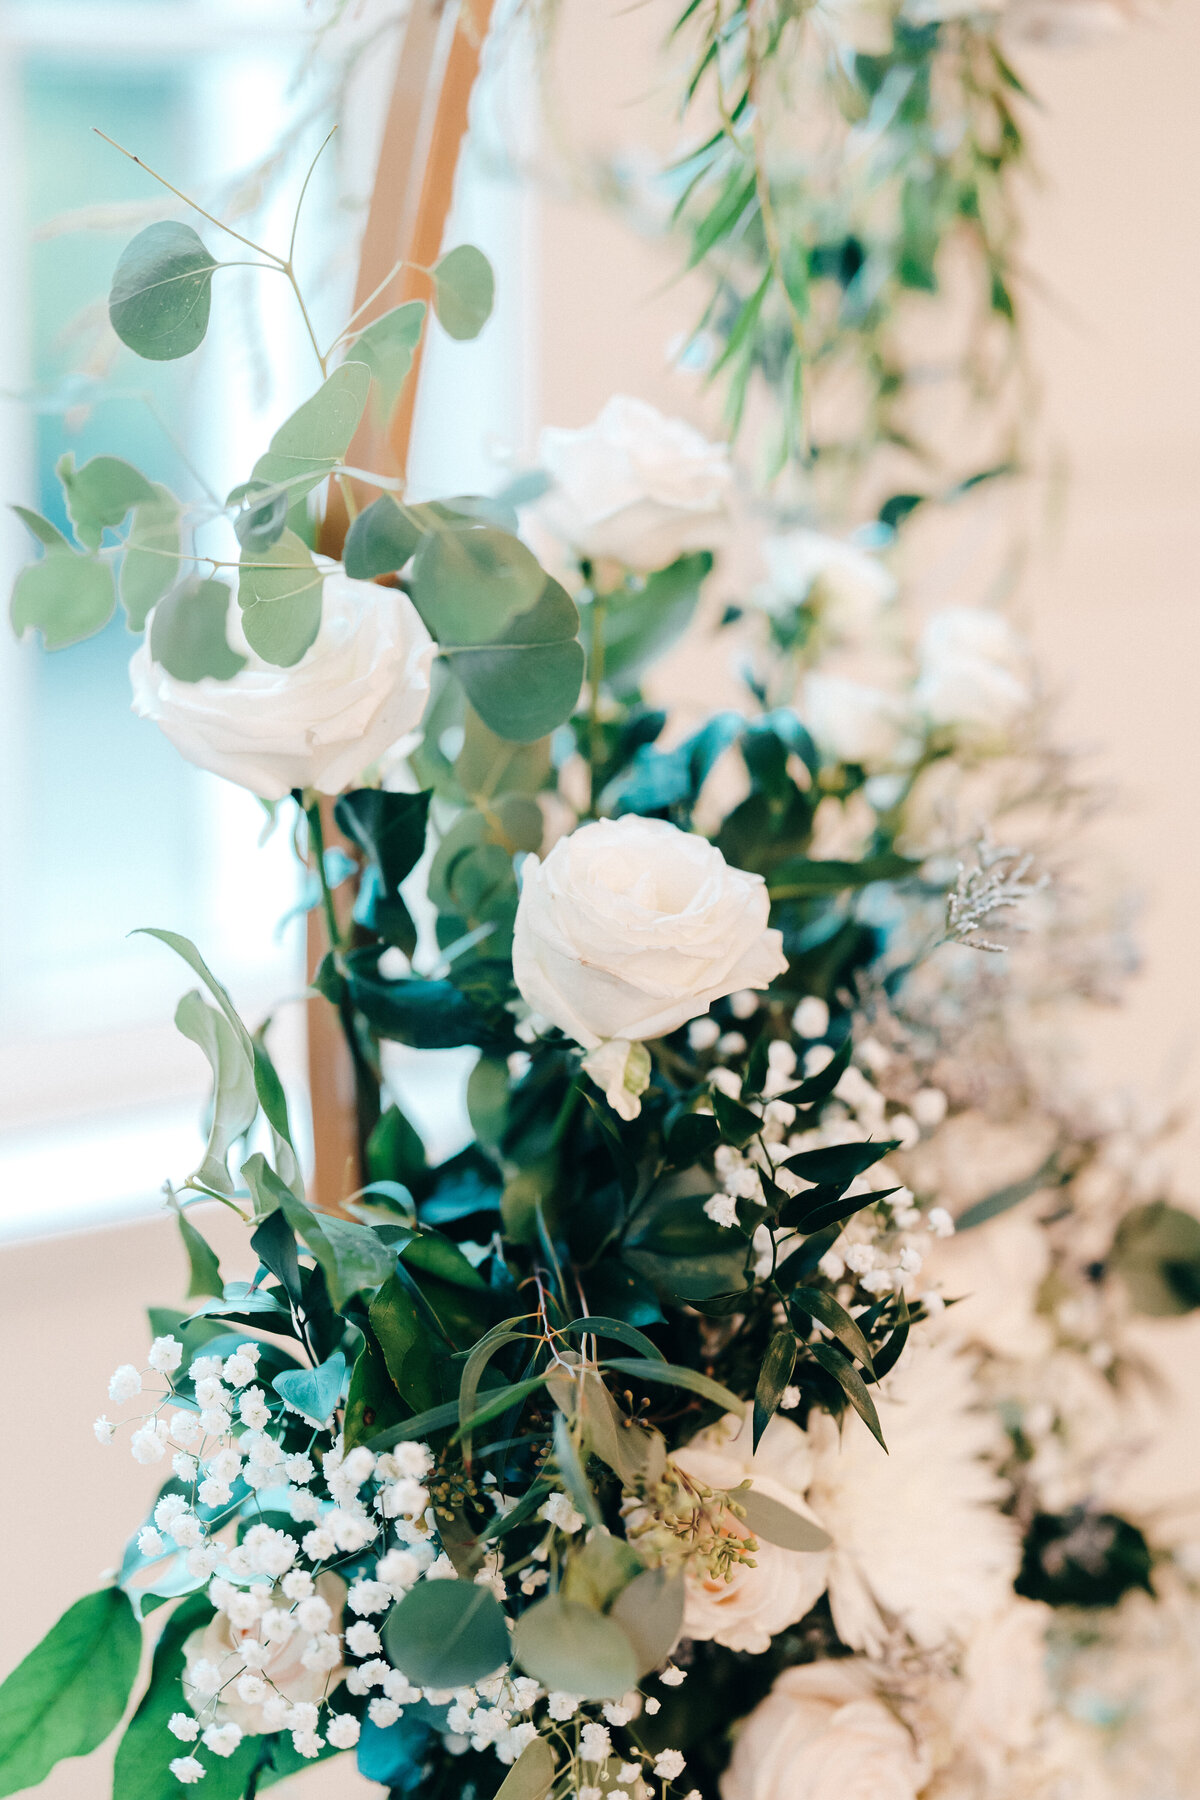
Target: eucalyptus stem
[(316, 838), (596, 615)]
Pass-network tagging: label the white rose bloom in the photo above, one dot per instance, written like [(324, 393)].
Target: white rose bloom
[(1007, 1691), (918, 1540), (217, 1643), (359, 689), (634, 486), (631, 927), (747, 1611), (973, 673), (851, 722), (823, 1733), (849, 587)]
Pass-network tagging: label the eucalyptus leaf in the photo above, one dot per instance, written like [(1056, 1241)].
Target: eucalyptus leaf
[(568, 1646), (99, 494), (525, 683), (188, 632), (151, 563), (387, 347), (162, 292), (65, 596), (380, 540), (531, 1776), (650, 1613), (279, 592), (779, 1524), (317, 435), (447, 1634), (464, 289), (69, 1692), (48, 535), (471, 580)]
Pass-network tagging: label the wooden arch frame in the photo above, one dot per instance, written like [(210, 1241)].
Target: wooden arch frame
[(423, 133)]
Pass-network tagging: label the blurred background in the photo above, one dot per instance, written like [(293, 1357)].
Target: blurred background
[(107, 829)]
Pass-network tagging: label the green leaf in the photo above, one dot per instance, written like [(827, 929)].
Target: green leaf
[(618, 1329), (151, 562), (499, 1402), (674, 1375), (525, 683), (836, 1363), (381, 540), (640, 625), (140, 1771), (420, 1426), (820, 1305), (317, 436), (259, 522), (804, 879), (430, 1015), (473, 1368), (738, 1124), (567, 1646), (100, 494), (266, 1081), (351, 1256), (46, 534), (406, 1345), (464, 289), (599, 1569), (632, 1451), (387, 346), (313, 1392), (531, 1776), (1048, 1174), (70, 1691), (279, 592), (470, 581), (187, 632), (390, 830), (162, 292), (773, 1377), (64, 596), (447, 1634), (234, 1103), (1156, 1253), (650, 1613), (274, 1243), (204, 1269), (779, 1524), (840, 1164)]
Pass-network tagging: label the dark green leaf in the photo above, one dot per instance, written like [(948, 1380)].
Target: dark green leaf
[(431, 1015), (840, 1164), (469, 582), (205, 1270), (618, 1329), (352, 1256), (313, 1392), (162, 291), (568, 1646), (820, 1305), (464, 290), (473, 1369), (821, 1085), (804, 879), (641, 624), (836, 1363), (1156, 1253), (70, 1691), (407, 1345), (773, 1377), (674, 1375), (447, 1634), (692, 1136), (381, 540), (738, 1124)]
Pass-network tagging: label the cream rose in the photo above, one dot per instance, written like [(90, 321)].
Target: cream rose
[(973, 674), (851, 722), (219, 1644), (631, 927), (848, 587), (823, 1733), (634, 486), (747, 1611), (354, 693)]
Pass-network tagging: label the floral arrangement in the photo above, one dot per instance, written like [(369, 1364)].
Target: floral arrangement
[(741, 1412)]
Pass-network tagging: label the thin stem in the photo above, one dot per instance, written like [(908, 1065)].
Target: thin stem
[(308, 324), (316, 835), (188, 201), (303, 190), (595, 678), (348, 329)]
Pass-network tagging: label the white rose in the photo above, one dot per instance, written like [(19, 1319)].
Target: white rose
[(631, 927), (748, 1610), (1007, 1691), (848, 587), (217, 1643), (634, 486), (354, 693), (973, 673), (851, 722), (822, 1733)]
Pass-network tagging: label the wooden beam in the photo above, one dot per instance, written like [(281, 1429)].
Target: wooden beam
[(414, 186)]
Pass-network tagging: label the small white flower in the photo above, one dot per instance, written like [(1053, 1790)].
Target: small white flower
[(671, 1676), (252, 1688), (562, 1706), (253, 1409), (940, 1222), (146, 1446), (184, 1427), (653, 1706), (557, 1510), (362, 1639), (911, 1261), (859, 1257), (929, 1106), (149, 1542), (595, 1745), (324, 1652), (222, 1740), (342, 1730), (669, 1764), (183, 1726), (211, 1392), (811, 1018), (313, 1615), (703, 1034), (166, 1354), (125, 1383), (104, 1430), (722, 1210), (307, 1743), (383, 1713), (628, 1772), (369, 1596), (186, 1769), (788, 1402)]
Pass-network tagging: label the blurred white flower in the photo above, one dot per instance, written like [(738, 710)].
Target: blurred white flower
[(973, 675), (634, 486), (845, 585), (852, 722), (918, 1542), (823, 1733)]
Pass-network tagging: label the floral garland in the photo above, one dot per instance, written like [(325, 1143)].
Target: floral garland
[(733, 1415)]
